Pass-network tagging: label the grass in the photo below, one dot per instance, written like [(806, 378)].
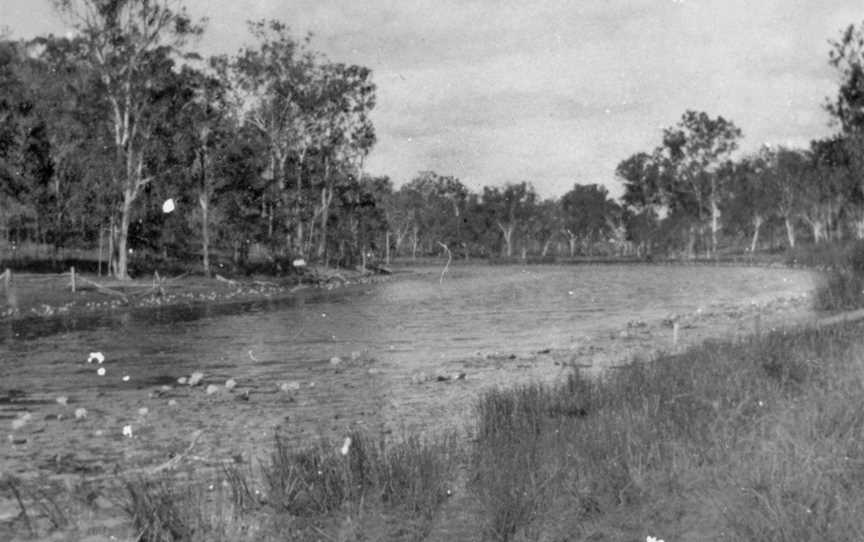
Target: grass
[(761, 439), (301, 494)]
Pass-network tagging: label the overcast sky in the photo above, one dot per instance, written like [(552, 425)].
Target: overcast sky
[(550, 91)]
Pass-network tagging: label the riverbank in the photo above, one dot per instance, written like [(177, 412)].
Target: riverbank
[(28, 295), (195, 431)]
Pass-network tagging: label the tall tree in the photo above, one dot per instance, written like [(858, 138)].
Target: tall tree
[(129, 44), (588, 214), (693, 150), (511, 208)]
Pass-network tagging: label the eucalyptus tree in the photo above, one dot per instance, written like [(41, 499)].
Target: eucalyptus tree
[(437, 204), (129, 44), (341, 129), (644, 197), (275, 82), (22, 142), (693, 149), (510, 208), (751, 196), (588, 214), (787, 178)]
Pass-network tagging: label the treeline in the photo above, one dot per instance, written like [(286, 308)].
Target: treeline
[(262, 154), (688, 196)]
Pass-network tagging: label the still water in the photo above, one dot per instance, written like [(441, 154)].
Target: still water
[(414, 321), (500, 326)]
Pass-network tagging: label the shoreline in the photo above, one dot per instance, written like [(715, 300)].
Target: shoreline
[(206, 431)]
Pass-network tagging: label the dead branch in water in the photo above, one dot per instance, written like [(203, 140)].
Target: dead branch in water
[(220, 278), (447, 265), (171, 463), (103, 289)]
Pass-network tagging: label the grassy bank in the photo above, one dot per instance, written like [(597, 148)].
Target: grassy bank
[(755, 440), (759, 439)]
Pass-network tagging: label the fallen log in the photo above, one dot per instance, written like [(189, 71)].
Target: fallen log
[(103, 289)]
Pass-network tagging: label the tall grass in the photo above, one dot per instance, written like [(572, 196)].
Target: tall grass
[(298, 494), (761, 438)]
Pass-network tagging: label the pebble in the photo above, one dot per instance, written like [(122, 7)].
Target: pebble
[(230, 384), (62, 400), (211, 389), (21, 420), (335, 360), (289, 386), (127, 431), (182, 380), (80, 413), (100, 371), (196, 378), (98, 357)]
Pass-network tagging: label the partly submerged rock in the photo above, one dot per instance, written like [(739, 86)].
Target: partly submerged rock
[(195, 378)]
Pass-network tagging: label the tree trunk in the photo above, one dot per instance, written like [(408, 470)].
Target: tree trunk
[(205, 232), (691, 243), (790, 231), (715, 225), (122, 271), (326, 198), (508, 237), (757, 223)]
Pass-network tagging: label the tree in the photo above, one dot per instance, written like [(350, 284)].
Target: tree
[(847, 56), (693, 149), (751, 200), (129, 44), (510, 208), (644, 197), (588, 214)]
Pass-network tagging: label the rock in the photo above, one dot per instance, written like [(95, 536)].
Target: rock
[(62, 400), (196, 378), (335, 360), (291, 385), (127, 431), (230, 384), (182, 380), (172, 402), (211, 389), (100, 371), (102, 503), (98, 357), (143, 411), (21, 420)]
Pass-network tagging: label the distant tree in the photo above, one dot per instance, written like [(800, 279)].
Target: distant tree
[(588, 215), (511, 208), (751, 200), (692, 150)]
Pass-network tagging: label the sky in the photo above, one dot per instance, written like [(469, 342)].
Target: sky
[(554, 92)]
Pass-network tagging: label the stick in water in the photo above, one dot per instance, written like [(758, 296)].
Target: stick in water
[(447, 265)]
